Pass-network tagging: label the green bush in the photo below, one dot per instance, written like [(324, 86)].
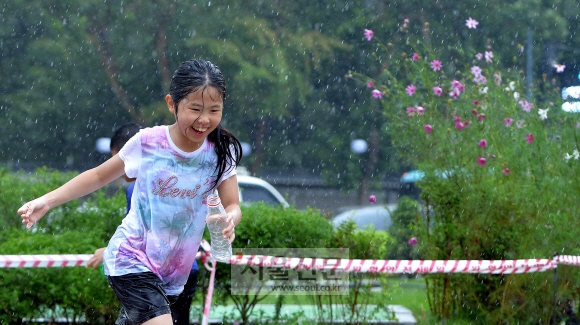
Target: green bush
[(499, 168), (75, 292), (264, 226), (19, 188), (363, 244), (406, 219)]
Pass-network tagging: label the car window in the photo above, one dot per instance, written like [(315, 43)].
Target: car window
[(253, 193)]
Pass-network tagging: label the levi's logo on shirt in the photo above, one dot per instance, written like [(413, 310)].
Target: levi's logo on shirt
[(166, 187)]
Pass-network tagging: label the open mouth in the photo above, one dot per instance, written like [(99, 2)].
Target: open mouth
[(198, 131)]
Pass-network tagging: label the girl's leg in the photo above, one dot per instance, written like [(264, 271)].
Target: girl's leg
[(180, 309)]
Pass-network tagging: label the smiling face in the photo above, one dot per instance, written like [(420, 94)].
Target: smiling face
[(196, 115)]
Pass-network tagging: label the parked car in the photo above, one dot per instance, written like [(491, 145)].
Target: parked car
[(410, 179), (377, 216), (253, 189), (412, 176), (408, 183)]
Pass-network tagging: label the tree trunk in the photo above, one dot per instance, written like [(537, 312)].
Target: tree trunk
[(161, 47), (108, 62)]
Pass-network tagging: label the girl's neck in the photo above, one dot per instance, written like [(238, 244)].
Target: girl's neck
[(182, 142)]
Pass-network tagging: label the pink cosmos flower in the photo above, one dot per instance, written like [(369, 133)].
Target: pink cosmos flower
[(415, 57), (405, 22), (480, 117), (436, 65), (454, 94), (476, 70), (526, 106), (438, 91), (459, 125), (411, 89), (428, 128), (457, 118), (410, 111), (372, 199), (458, 86), (377, 93), (481, 79), (482, 143), (369, 34), (466, 123), (420, 110), (481, 161), (508, 121), (370, 84), (471, 23), (506, 171), (478, 56), (488, 56), (474, 112), (529, 138), (475, 102), (559, 68), (412, 241)]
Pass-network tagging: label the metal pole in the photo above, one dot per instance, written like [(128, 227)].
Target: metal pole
[(554, 314)]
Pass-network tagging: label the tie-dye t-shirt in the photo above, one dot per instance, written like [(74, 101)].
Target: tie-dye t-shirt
[(163, 229)]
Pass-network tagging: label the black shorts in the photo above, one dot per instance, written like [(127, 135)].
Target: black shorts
[(142, 297)]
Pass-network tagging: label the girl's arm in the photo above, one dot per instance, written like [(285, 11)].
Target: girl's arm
[(83, 184), (229, 195)]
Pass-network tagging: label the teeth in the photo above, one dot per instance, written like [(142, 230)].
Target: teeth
[(200, 130)]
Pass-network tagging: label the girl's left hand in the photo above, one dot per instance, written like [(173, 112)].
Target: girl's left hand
[(230, 230), (97, 258)]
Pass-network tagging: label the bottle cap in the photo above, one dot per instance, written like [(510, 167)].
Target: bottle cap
[(213, 200)]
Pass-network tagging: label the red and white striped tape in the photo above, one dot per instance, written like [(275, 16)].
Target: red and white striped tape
[(568, 260), (27, 261), (346, 265), (400, 266)]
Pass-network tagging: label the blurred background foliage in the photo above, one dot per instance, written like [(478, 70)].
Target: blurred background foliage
[(73, 71)]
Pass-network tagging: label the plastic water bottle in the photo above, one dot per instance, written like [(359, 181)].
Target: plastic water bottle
[(221, 249)]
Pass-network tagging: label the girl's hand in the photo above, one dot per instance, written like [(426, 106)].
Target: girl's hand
[(97, 258), (230, 230), (32, 211)]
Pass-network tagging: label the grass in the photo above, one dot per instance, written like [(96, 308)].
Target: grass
[(408, 292)]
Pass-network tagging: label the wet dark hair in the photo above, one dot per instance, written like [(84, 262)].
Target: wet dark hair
[(192, 76), (123, 134)]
